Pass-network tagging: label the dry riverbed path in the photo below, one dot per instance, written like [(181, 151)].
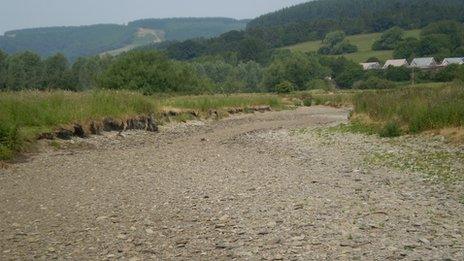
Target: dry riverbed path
[(263, 186)]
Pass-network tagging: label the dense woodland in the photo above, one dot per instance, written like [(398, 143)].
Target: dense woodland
[(248, 61), (314, 20), (77, 41)]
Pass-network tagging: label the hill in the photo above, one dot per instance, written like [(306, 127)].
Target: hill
[(76, 41), (312, 20), (362, 41)]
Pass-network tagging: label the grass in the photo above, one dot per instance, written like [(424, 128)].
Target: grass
[(25, 115), (412, 109), (336, 98), (362, 41), (205, 103)]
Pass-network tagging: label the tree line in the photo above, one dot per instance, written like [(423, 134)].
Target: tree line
[(313, 21), (150, 72), (440, 40)]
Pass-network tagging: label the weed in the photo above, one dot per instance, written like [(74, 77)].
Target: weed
[(390, 130)]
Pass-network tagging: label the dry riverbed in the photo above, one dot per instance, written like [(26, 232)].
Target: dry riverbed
[(275, 186)]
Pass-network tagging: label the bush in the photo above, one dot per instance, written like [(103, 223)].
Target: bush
[(320, 84), (398, 74), (285, 87), (391, 129), (9, 141), (307, 102), (373, 60), (389, 39), (373, 83)]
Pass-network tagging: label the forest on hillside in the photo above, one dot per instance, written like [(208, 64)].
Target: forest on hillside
[(313, 21), (77, 41)]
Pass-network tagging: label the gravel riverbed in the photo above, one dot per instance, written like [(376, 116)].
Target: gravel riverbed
[(263, 186)]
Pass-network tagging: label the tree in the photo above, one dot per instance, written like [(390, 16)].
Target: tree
[(251, 48), (3, 58), (407, 49), (335, 43), (151, 72), (398, 74), (389, 39), (24, 71), (56, 74), (333, 38), (453, 29), (285, 87), (298, 68)]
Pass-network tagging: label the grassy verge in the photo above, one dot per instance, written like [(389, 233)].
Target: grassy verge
[(204, 103), (25, 115), (411, 109)]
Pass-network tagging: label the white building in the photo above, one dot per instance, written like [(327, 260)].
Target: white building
[(454, 60), (424, 63), (395, 63)]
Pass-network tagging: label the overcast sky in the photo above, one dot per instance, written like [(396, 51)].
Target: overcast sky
[(17, 14)]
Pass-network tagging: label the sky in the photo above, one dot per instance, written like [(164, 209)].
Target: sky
[(18, 14)]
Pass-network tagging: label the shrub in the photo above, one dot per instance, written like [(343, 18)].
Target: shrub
[(391, 129), (373, 60), (9, 141), (398, 74), (373, 83), (285, 87), (319, 84), (307, 102)]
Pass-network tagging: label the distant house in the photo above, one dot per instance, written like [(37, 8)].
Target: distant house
[(454, 60), (371, 66), (424, 63), (395, 63)]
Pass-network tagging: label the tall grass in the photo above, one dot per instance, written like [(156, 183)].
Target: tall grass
[(414, 109), (23, 115), (207, 102)]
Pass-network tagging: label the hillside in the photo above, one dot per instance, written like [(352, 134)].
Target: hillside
[(362, 41), (76, 41), (312, 20)]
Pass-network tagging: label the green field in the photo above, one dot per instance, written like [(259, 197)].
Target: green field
[(362, 41)]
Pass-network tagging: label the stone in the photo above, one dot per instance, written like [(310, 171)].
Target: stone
[(110, 124), (64, 134), (80, 131)]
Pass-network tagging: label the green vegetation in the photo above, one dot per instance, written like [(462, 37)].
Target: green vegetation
[(180, 29), (440, 39), (78, 41), (314, 19), (24, 115), (364, 43), (204, 103), (412, 109), (373, 82), (435, 164), (335, 43), (389, 39)]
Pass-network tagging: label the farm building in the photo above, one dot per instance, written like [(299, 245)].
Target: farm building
[(424, 63), (371, 66), (395, 63), (454, 60)]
